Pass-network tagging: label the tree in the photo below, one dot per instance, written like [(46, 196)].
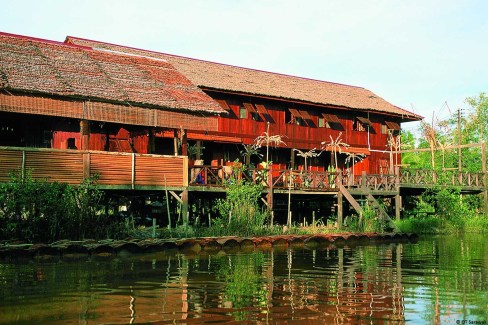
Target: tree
[(267, 140), (307, 154), (336, 145)]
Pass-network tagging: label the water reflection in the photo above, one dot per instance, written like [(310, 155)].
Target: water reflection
[(437, 280)]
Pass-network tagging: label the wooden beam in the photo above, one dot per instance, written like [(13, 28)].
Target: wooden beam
[(85, 134), (471, 145), (398, 206), (184, 206), (176, 196)]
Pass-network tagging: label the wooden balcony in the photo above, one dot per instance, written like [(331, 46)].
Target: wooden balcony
[(114, 170), (316, 181)]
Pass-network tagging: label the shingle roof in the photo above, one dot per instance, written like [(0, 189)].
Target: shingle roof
[(211, 75), (41, 66)]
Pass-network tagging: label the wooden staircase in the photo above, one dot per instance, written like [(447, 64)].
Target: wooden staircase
[(371, 200)]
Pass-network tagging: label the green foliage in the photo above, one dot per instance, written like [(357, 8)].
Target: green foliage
[(420, 225), (444, 134), (239, 212), (41, 211), (371, 221), (444, 210), (447, 203)]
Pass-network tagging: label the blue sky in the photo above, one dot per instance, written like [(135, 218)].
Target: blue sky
[(415, 54)]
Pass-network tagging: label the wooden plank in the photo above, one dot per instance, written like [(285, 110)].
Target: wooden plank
[(223, 104), (331, 118), (364, 120), (250, 107), (351, 199), (10, 161), (393, 126), (64, 167), (176, 196), (295, 113)]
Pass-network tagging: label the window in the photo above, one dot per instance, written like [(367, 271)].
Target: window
[(71, 143), (384, 129), (242, 112), (295, 117), (392, 127), (331, 119), (358, 126), (323, 123), (361, 123)]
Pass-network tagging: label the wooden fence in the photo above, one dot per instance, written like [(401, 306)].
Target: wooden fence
[(114, 170)]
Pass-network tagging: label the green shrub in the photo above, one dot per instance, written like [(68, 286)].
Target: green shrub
[(239, 213), (40, 211)]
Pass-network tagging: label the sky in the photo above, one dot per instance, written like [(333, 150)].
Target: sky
[(424, 56)]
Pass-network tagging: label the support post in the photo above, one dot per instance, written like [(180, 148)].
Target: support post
[(184, 206), (398, 206), (85, 134), (198, 145), (184, 143), (292, 159), (175, 142), (340, 210), (364, 179), (269, 196)]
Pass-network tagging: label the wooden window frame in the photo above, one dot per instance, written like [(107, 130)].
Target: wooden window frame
[(331, 119), (393, 126), (296, 117), (362, 124)]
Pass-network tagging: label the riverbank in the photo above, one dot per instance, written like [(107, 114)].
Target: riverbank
[(108, 248), (439, 225)]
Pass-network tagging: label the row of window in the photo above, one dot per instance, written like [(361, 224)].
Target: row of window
[(301, 117)]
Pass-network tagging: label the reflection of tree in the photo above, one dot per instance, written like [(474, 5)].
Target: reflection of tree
[(243, 283)]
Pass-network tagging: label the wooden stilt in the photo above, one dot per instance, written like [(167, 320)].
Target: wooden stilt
[(398, 206), (340, 211), (184, 207)]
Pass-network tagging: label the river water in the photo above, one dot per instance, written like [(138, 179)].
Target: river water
[(436, 280)]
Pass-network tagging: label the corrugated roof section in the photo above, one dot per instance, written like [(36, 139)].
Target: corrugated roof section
[(218, 76), (38, 66)]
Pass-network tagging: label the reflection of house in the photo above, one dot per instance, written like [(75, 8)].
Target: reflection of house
[(129, 115)]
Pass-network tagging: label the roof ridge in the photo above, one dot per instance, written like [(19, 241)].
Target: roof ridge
[(43, 40), (212, 62)]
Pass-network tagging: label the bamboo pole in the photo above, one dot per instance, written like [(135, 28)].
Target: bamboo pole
[(167, 202)]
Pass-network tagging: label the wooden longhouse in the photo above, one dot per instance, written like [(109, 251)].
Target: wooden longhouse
[(79, 108)]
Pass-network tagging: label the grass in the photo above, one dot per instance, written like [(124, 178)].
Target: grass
[(438, 225)]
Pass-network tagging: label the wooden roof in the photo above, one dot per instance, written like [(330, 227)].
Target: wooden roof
[(46, 67), (211, 75)]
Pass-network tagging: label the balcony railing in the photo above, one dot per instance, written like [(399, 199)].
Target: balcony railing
[(114, 169), (328, 181)]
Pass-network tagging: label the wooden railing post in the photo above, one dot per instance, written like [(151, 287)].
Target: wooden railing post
[(23, 165), (86, 165), (133, 182)]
